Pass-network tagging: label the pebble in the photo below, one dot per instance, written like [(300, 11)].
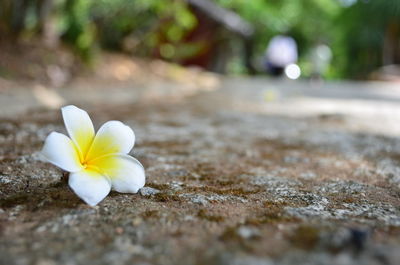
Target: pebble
[(247, 232), (148, 191)]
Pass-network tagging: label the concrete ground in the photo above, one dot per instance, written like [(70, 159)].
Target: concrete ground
[(239, 171)]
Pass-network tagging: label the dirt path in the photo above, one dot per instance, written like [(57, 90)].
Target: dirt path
[(242, 172)]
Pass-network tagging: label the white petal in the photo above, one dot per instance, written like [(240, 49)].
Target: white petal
[(112, 137), (125, 172), (59, 150), (90, 186), (79, 127)]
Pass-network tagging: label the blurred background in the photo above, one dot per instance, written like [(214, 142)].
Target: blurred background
[(55, 40)]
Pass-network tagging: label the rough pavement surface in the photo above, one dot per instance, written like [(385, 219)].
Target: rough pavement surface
[(255, 172)]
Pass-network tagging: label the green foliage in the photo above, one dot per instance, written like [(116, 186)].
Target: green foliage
[(356, 33), (80, 30), (149, 24), (359, 44)]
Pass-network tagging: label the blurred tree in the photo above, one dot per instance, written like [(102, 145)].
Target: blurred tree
[(363, 34), (13, 14), (369, 37), (79, 28)]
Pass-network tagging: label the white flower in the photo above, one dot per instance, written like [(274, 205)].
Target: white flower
[(98, 162)]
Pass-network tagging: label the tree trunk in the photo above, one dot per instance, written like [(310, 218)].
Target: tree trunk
[(19, 8), (391, 50)]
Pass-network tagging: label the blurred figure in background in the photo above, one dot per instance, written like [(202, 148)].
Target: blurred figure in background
[(281, 52), (320, 58)]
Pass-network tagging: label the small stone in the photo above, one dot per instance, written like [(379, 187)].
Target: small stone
[(247, 232), (5, 179), (176, 185), (308, 175), (67, 219), (41, 229), (137, 221), (199, 199), (148, 191), (344, 238), (188, 218)]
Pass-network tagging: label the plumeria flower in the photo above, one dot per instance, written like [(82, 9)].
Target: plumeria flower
[(96, 162)]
